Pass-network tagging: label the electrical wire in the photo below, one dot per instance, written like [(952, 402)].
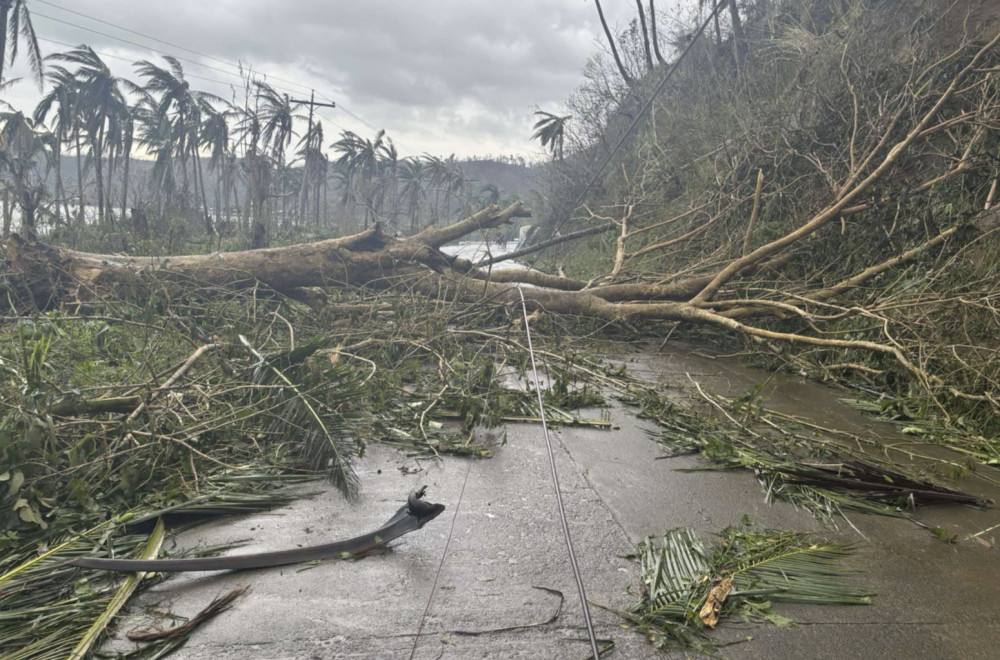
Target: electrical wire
[(451, 532), (262, 74), (235, 65), (641, 114), (555, 484), (132, 61)]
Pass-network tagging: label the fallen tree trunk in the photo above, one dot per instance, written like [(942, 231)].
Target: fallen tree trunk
[(48, 276)]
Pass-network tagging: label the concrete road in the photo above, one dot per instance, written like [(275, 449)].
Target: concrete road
[(935, 600)]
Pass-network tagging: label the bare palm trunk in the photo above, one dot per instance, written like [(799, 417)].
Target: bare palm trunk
[(654, 37), (739, 36), (8, 213), (218, 200), (645, 35), (59, 187), (718, 28), (108, 201), (209, 229), (611, 42), (316, 191), (80, 216), (97, 148), (128, 159)]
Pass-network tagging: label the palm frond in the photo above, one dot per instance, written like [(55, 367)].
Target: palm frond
[(677, 576), (313, 420)]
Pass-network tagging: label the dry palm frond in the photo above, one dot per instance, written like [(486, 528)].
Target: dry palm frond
[(47, 606)]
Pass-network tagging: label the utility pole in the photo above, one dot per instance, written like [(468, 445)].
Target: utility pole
[(312, 103)]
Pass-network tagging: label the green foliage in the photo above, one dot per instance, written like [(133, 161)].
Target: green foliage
[(677, 573), (824, 92)]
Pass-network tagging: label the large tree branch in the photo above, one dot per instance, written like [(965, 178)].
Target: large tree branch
[(832, 211), (488, 218)]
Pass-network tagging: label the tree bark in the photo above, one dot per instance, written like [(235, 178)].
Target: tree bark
[(654, 37), (50, 275), (645, 35), (614, 49)]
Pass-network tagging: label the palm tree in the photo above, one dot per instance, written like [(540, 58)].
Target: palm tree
[(15, 21), (362, 161), (63, 97), (614, 50), (457, 185), (127, 134), (310, 147), (278, 116), (389, 180), (257, 168), (645, 35), (653, 35), (216, 140), (101, 105), (156, 137), (550, 130), (412, 174), (438, 174), (314, 169), (26, 155), (489, 193), (185, 107)]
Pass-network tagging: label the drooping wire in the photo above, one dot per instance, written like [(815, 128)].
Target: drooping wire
[(640, 115), (238, 73), (451, 532), (555, 484)]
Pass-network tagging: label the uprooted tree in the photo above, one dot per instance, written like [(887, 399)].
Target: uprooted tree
[(904, 143)]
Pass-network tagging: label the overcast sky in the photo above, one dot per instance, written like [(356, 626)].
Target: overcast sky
[(441, 76)]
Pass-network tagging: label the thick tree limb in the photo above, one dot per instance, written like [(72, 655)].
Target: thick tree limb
[(847, 195)]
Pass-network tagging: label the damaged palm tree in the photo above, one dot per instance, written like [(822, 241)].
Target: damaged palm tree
[(685, 589)]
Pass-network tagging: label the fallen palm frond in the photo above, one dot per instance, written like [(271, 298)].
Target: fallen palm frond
[(182, 631), (46, 606), (96, 630), (809, 470), (324, 434), (686, 589), (951, 433), (123, 415)]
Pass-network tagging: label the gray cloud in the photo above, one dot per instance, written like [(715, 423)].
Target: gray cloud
[(444, 76)]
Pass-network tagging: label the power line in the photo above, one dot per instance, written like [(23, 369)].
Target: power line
[(235, 65), (137, 45), (125, 29), (581, 590), (263, 76), (243, 85)]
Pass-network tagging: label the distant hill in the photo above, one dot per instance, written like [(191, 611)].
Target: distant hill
[(512, 176)]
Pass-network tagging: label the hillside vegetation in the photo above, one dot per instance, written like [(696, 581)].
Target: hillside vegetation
[(836, 162)]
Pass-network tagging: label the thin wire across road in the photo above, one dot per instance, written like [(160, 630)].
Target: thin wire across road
[(581, 590)]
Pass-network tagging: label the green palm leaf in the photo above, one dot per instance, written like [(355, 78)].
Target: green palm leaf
[(676, 575)]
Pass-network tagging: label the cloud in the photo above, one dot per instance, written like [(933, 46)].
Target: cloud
[(447, 76)]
